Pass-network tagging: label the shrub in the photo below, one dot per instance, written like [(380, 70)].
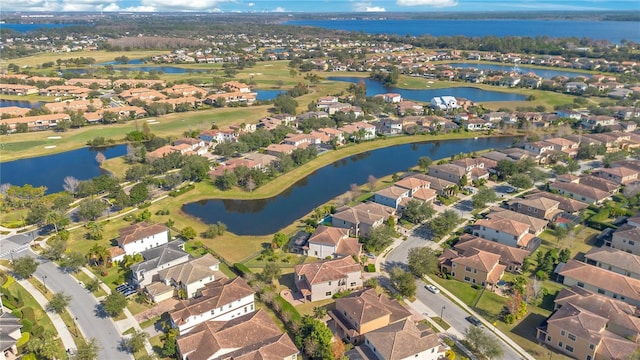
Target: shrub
[(182, 190), (17, 313), (24, 339), (144, 205), (286, 306), (370, 268), (242, 269), (37, 330), (26, 325), (509, 319), (341, 294)]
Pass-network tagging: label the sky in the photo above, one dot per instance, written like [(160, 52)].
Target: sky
[(374, 6)]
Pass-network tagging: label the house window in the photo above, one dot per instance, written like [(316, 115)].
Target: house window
[(631, 242), (548, 338), (329, 282), (562, 333), (453, 265), (353, 284), (560, 344), (591, 346), (588, 357), (580, 284), (466, 278), (328, 293), (600, 291), (569, 348), (571, 337), (467, 269)]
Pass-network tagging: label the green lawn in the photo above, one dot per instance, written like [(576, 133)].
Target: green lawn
[(461, 290), (85, 279)]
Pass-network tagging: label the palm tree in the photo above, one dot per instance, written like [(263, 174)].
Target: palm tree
[(96, 229), (100, 253)]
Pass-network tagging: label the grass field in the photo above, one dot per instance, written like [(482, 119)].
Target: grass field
[(99, 56)]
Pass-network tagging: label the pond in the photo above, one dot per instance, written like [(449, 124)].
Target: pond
[(544, 73), (375, 87), (20, 103), (267, 216), (264, 95), (50, 170)]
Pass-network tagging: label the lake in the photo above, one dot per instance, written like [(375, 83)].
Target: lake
[(32, 27), (613, 31), (544, 73), (375, 87), (20, 103), (131, 62), (50, 170), (267, 216), (265, 95)]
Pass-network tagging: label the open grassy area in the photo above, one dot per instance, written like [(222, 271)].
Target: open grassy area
[(99, 56), (461, 290), (85, 279)]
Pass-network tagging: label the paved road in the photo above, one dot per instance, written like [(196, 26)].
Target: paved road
[(452, 313), (92, 322), (13, 245)]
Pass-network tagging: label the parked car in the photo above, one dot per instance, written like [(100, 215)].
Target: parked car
[(473, 320), (510, 190), (433, 289)]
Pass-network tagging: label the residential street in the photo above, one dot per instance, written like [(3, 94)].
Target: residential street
[(83, 306)]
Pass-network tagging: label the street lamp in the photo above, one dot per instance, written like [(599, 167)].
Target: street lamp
[(442, 312), (75, 326), (44, 282)]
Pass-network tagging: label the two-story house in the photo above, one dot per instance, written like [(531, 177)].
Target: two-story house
[(590, 326), (361, 218), (220, 300), (251, 336), (404, 340), (321, 280), (139, 237), (185, 279), (511, 257), (473, 266), (601, 281), (156, 259), (541, 208), (391, 196), (619, 175), (580, 192), (448, 172), (330, 242), (626, 238), (615, 260), (539, 147), (507, 232), (536, 225), (365, 311)]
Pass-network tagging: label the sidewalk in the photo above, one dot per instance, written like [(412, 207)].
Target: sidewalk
[(61, 327)]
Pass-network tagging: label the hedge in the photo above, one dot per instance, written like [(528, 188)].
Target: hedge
[(26, 326), (182, 190), (286, 306), (23, 340), (370, 268), (242, 269)]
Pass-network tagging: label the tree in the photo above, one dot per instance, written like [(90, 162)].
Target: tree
[(139, 193), (136, 341), (418, 211), (484, 196), (319, 312), (59, 301), (70, 185), (37, 214), (226, 181), (285, 104), (442, 224), (279, 240), (114, 304), (58, 219), (371, 182), (24, 266), (46, 346), (195, 168), (483, 343), (188, 233), (315, 338), (88, 350), (95, 230), (91, 209), (422, 260), (270, 272), (378, 238), (424, 162), (403, 281), (73, 261), (62, 201), (100, 158), (520, 181)]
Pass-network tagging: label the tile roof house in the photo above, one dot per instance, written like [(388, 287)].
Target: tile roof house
[(536, 225), (586, 325), (441, 186), (188, 278), (580, 192), (10, 333), (221, 300), (474, 266), (251, 336), (321, 280), (615, 260), (620, 175), (361, 218), (364, 311), (156, 259), (510, 257), (138, 237), (449, 172), (331, 242), (565, 204), (404, 340), (391, 196), (542, 208), (593, 278), (626, 238), (507, 232)]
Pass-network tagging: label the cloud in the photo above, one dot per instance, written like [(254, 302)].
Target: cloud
[(181, 5), (279, 9), (366, 6), (250, 4), (433, 3), (115, 7)]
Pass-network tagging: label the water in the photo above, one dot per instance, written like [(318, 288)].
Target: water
[(265, 95), (613, 31), (20, 103), (375, 87), (544, 73), (50, 170), (32, 27), (131, 62), (267, 216), (164, 69)]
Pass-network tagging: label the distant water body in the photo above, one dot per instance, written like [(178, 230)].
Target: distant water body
[(23, 28), (613, 31)]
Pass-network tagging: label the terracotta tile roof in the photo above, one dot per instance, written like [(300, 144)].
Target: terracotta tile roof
[(506, 226), (436, 183), (326, 235), (599, 183), (565, 204), (412, 182), (425, 194), (402, 340), (139, 231), (449, 169), (603, 279), (324, 271), (580, 322), (580, 190), (632, 233), (367, 213), (540, 203), (349, 247), (534, 223), (618, 258), (478, 259), (367, 305), (508, 254), (214, 295), (253, 336), (392, 192)]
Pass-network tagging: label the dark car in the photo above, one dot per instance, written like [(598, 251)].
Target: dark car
[(474, 320)]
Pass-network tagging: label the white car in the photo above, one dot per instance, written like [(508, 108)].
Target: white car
[(433, 289)]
